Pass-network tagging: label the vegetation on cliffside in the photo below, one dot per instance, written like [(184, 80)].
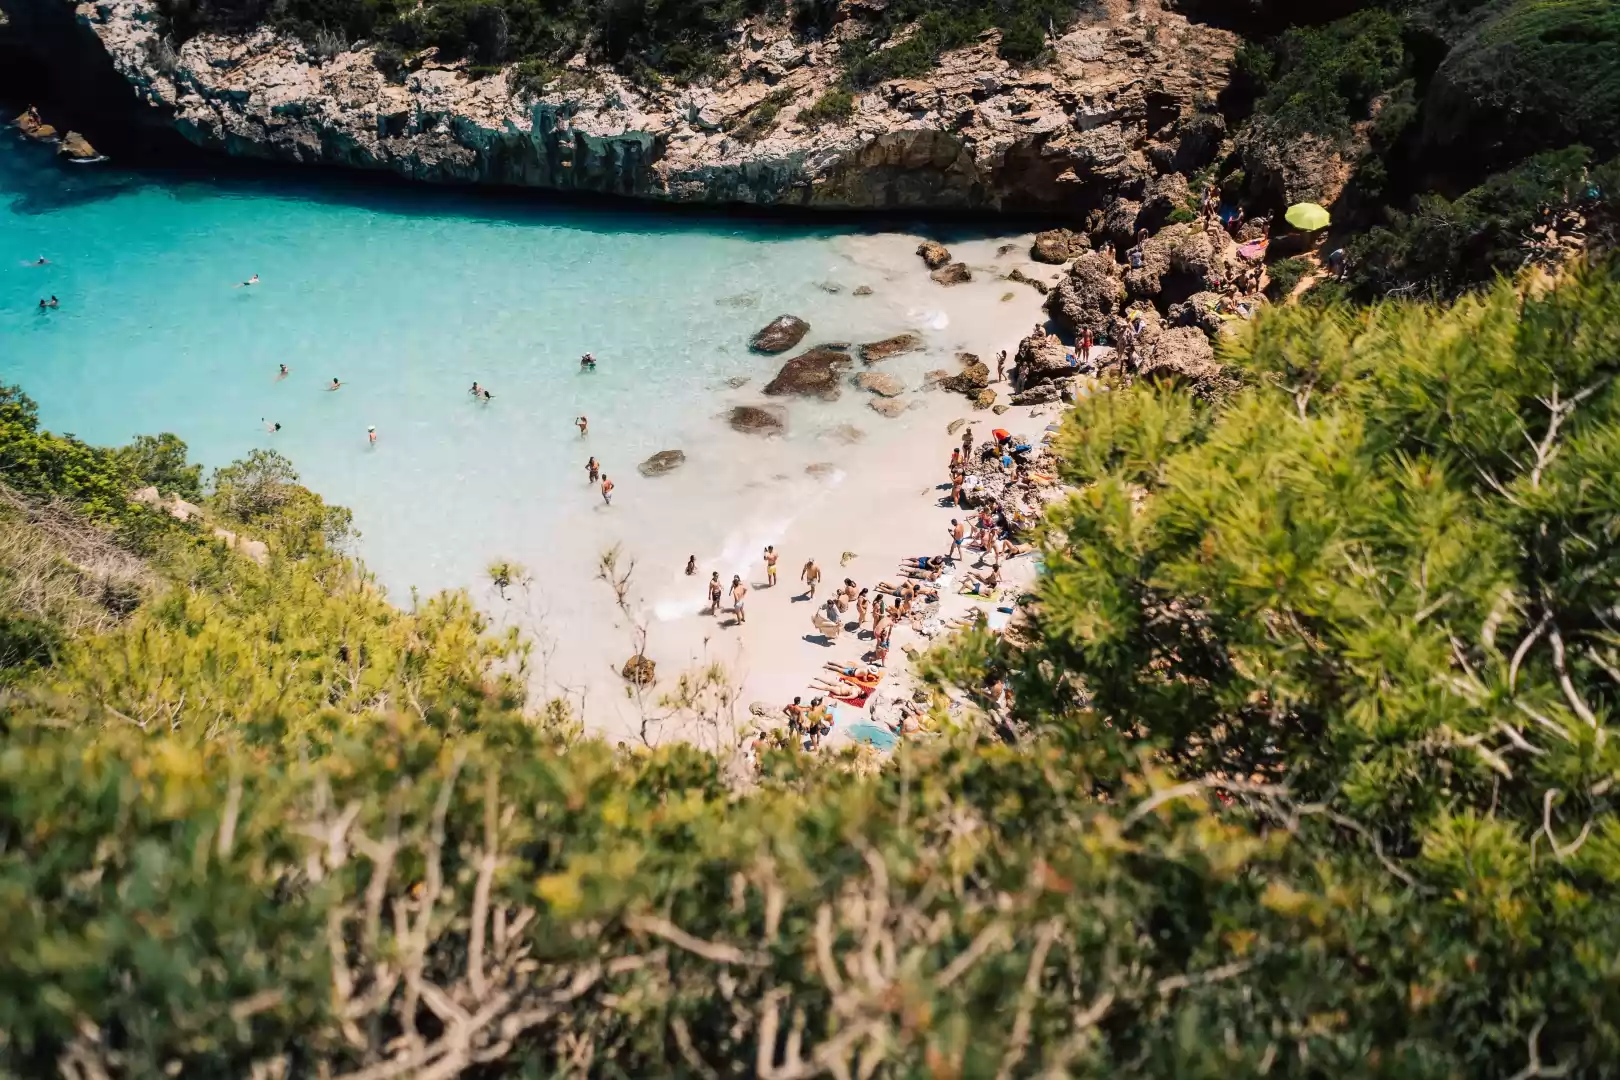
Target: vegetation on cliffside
[(1306, 771)]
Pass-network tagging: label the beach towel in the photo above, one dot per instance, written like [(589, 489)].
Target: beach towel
[(1254, 249), (874, 735)]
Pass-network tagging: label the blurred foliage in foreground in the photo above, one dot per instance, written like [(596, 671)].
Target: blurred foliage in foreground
[(1306, 773)]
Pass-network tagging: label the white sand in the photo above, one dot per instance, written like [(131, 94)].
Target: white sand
[(877, 497)]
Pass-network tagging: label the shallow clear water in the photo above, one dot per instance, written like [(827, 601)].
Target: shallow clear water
[(407, 296)]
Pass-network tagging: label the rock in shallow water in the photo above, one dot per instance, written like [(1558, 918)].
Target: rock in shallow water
[(954, 274), (812, 374), (934, 254), (874, 351), (753, 420), (665, 461), (876, 382), (783, 332), (887, 407)]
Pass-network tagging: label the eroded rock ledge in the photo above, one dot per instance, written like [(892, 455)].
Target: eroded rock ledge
[(1118, 105)]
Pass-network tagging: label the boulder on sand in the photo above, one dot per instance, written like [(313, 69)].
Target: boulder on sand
[(1057, 246), (887, 406), (1088, 294), (665, 461), (639, 670), (783, 332), (753, 420), (953, 274), (880, 383), (1042, 358), (1040, 394), (984, 398), (811, 374), (975, 376), (874, 351), (934, 254)]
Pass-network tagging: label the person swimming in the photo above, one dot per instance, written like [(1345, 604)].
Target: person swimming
[(283, 373), (254, 280), (42, 261), (588, 362), (335, 384), (268, 426), (371, 435)]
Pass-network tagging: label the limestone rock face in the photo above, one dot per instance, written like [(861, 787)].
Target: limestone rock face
[(1088, 294), (1023, 279), (952, 274), (811, 374), (934, 255), (1283, 168), (975, 376), (1057, 246), (1182, 260), (1183, 353), (753, 420), (984, 398), (77, 147), (1163, 197), (876, 351), (1118, 227), (887, 407), (976, 133), (1040, 394), (780, 335), (877, 382), (1042, 358), (665, 461)]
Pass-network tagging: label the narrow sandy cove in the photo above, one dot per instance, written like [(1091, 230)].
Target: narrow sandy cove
[(815, 493)]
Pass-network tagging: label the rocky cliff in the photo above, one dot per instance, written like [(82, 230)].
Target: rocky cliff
[(1120, 102)]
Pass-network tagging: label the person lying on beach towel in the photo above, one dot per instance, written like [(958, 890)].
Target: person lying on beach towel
[(926, 562), (921, 575), (849, 694), (855, 673), (906, 590), (982, 584)]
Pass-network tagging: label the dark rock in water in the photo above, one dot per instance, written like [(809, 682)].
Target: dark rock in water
[(665, 461), (848, 434), (1023, 279), (934, 254), (812, 374), (1006, 249), (784, 332), (737, 382), (934, 377), (830, 287), (77, 147), (953, 274), (874, 351), (753, 420), (741, 300), (876, 382), (1040, 394), (639, 670), (863, 290), (1057, 246)]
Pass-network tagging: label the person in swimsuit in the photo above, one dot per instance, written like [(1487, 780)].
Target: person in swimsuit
[(738, 591), (371, 435), (335, 384), (268, 426), (476, 390), (811, 576), (714, 594), (862, 605), (592, 469), (41, 261), (283, 373), (583, 425), (691, 565), (587, 362), (770, 565), (958, 531), (795, 716), (607, 490), (254, 280)]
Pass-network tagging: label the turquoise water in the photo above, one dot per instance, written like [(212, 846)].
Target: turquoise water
[(407, 297)]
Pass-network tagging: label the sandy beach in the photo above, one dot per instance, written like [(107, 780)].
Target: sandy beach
[(842, 479)]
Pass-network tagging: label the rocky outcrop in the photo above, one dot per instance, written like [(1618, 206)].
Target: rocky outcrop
[(1163, 196), (665, 461), (1182, 260), (1281, 168), (1118, 228), (1183, 354), (1023, 279), (753, 420), (780, 335), (952, 274), (887, 407), (974, 376), (816, 373), (1198, 310), (976, 133), (639, 670), (1089, 294), (1042, 358), (1039, 394), (873, 352), (933, 254)]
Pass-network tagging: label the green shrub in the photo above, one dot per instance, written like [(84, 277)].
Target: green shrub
[(1532, 75), (1284, 275), (835, 106), (1321, 79)]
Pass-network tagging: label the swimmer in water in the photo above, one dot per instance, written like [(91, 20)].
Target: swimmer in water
[(487, 394), (587, 362), (371, 435), (254, 280), (41, 261), (283, 373), (476, 389), (583, 425), (335, 384), (268, 426)]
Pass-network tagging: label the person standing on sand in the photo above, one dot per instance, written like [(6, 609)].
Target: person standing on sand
[(714, 594), (957, 532), (967, 444), (795, 716), (770, 565), (691, 565), (1085, 346), (583, 425), (862, 604), (592, 469), (810, 575), (607, 490), (1001, 366), (738, 591)]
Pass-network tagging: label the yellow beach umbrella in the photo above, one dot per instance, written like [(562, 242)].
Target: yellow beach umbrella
[(1308, 216)]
